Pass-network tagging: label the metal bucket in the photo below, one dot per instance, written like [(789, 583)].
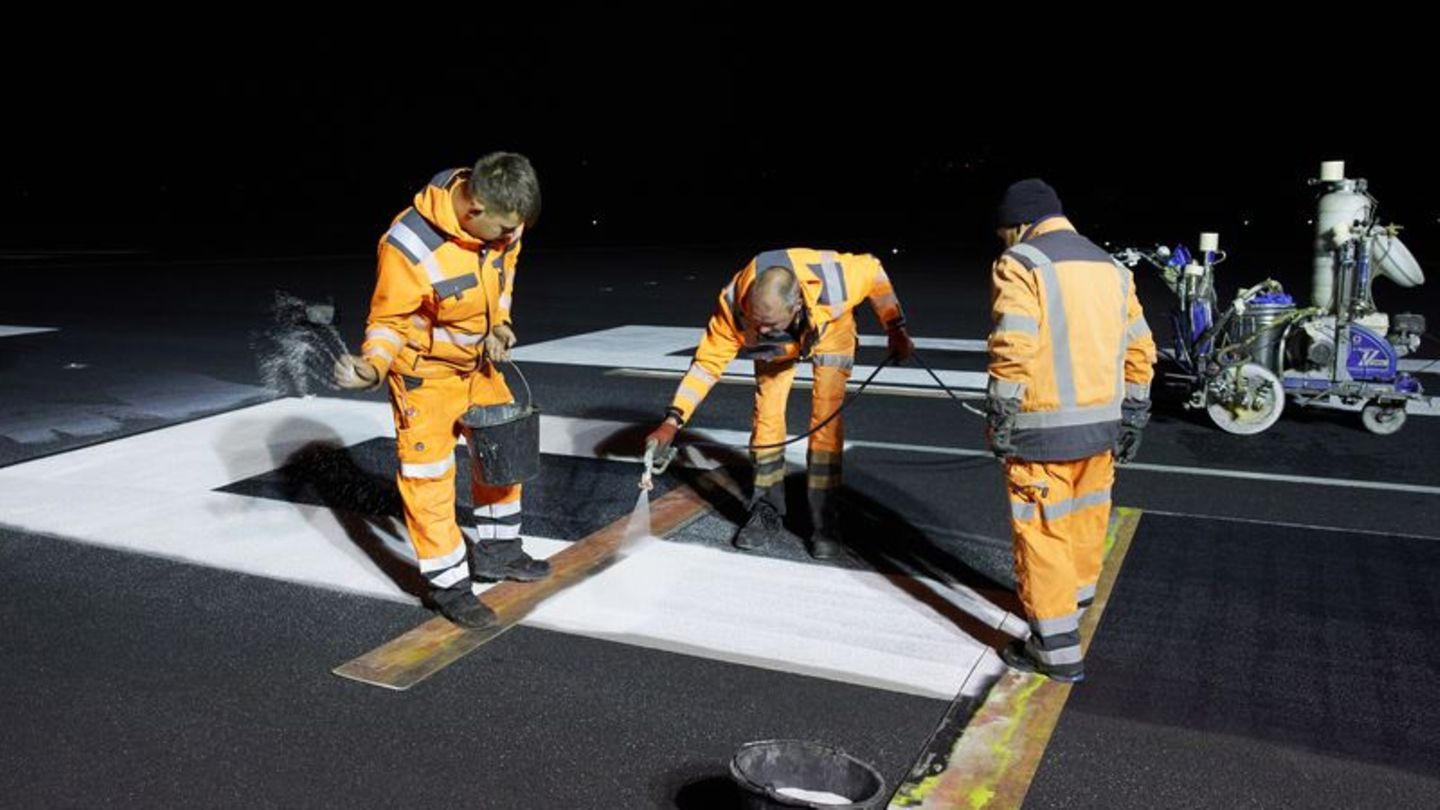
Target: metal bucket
[(504, 440), (779, 774), (1261, 323)]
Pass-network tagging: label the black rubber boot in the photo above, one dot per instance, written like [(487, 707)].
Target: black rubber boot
[(825, 517), (1019, 656), (494, 560), (462, 607), (766, 525)]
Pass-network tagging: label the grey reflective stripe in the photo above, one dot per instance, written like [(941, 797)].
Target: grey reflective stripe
[(451, 576), (498, 510), (443, 179), (505, 301), (414, 249), (420, 322), (432, 470), (731, 293), (1055, 315), (1059, 336), (1124, 318), (1029, 255), (385, 334), (1022, 510), (824, 469), (844, 361), (685, 394), (832, 288), (699, 373), (1005, 389), (1059, 509), (770, 465), (1139, 329), (448, 287), (1012, 322), (458, 338), (1054, 627), (1085, 593), (500, 258), (1094, 414), (1069, 246), (1137, 391), (441, 563), (773, 258), (376, 351), (1064, 655), (497, 531)]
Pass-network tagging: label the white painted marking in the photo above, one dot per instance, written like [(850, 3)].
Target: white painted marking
[(1388, 486), (653, 348), (157, 498), (1286, 524), (14, 331)]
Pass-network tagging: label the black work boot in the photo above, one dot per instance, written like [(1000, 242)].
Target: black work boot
[(1019, 655), (494, 560), (461, 606), (824, 543), (765, 525)]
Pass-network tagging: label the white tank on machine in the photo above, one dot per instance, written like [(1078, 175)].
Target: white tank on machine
[(1339, 208)]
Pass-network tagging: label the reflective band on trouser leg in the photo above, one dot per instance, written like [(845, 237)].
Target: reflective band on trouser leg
[(1089, 521), (1044, 567), (447, 571), (425, 442), (827, 443), (498, 521)]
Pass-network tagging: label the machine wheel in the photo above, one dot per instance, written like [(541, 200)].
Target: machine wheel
[(1382, 420), (1245, 399)]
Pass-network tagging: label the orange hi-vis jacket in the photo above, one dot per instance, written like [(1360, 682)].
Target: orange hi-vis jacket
[(831, 286), (1069, 344), (439, 291)]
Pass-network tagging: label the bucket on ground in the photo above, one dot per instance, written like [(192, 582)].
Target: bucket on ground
[(778, 774)]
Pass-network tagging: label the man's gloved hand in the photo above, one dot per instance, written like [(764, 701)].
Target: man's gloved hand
[(499, 342), (900, 344), (658, 445), (354, 373), (1134, 416), (1000, 424)]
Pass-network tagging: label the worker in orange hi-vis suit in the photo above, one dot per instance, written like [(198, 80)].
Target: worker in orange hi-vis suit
[(784, 307), (439, 321), (1071, 360)]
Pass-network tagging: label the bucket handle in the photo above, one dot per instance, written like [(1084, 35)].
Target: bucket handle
[(529, 397)]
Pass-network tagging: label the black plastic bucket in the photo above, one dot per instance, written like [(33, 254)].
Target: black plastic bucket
[(778, 774), (504, 440)]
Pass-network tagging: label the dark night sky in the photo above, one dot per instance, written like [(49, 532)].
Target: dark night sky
[(706, 131)]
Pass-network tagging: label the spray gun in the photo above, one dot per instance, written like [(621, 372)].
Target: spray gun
[(656, 462)]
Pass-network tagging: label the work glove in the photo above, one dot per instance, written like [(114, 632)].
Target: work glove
[(901, 346), (354, 373), (1134, 416), (658, 445), (1000, 425), (499, 342)]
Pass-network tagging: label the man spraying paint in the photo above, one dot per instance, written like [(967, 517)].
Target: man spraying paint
[(785, 307), (1071, 360), (439, 321)]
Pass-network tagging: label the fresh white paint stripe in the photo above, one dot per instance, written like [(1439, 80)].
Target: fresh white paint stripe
[(856, 627), (14, 331)]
